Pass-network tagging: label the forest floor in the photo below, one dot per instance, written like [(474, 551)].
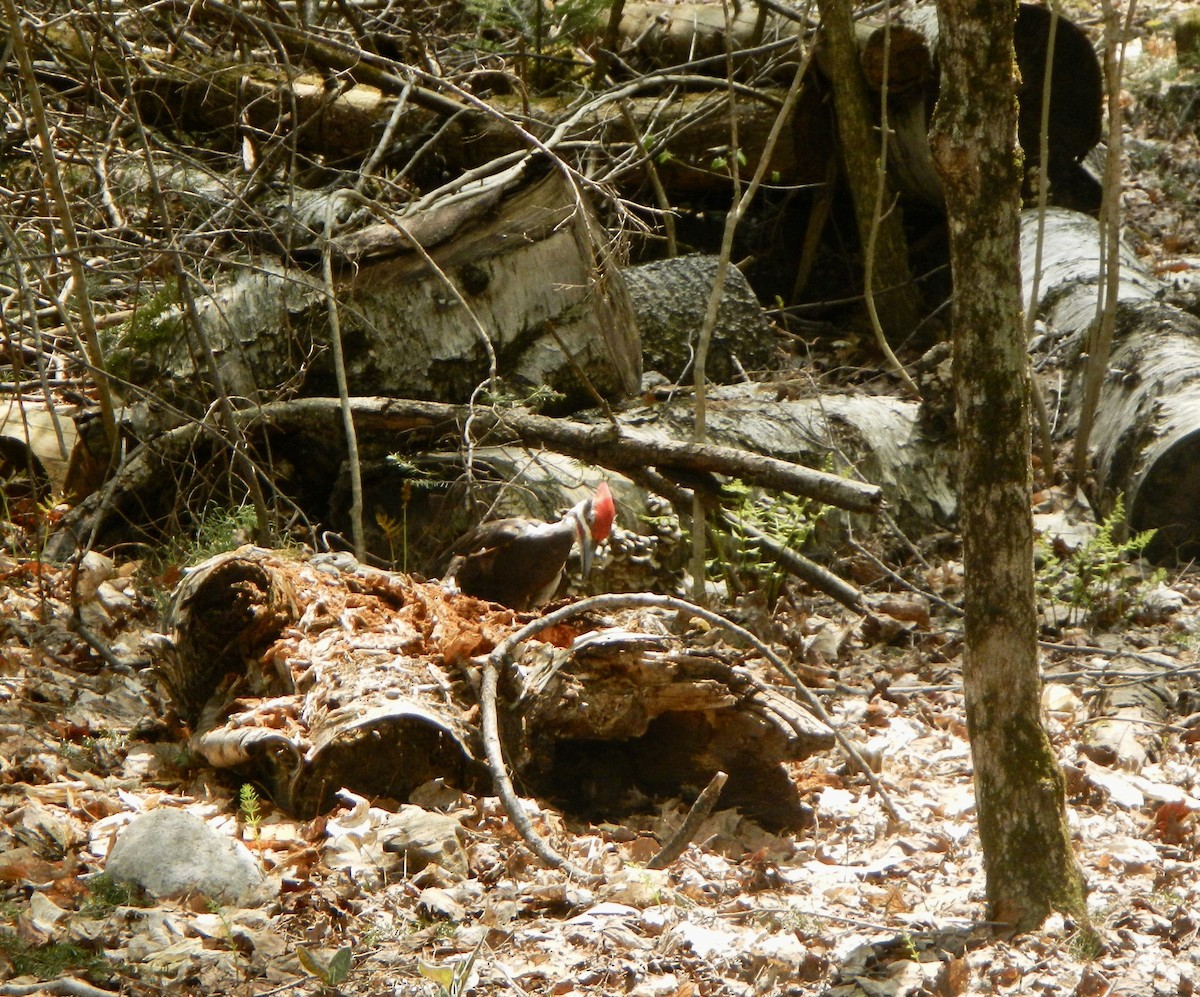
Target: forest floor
[(860, 903)]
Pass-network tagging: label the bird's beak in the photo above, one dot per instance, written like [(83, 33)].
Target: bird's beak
[(587, 548)]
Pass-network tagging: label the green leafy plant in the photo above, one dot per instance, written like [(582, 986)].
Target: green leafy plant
[(505, 395), (1085, 945), (29, 512), (1093, 583), (378, 933), (395, 531), (331, 973), (100, 753), (720, 163), (451, 978), (248, 809), (105, 895), (218, 530), (548, 31), (788, 520), (134, 349)]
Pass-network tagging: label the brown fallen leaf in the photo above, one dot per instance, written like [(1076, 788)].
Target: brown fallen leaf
[(954, 978)]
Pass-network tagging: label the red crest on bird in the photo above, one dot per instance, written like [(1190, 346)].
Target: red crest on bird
[(604, 511)]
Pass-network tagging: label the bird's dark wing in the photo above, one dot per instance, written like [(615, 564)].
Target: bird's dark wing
[(503, 561), (489, 535)]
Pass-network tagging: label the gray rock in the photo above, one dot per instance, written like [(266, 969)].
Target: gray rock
[(171, 852), (670, 298)]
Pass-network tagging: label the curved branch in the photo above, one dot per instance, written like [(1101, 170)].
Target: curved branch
[(608, 603)]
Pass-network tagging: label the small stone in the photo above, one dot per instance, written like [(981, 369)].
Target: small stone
[(171, 852)]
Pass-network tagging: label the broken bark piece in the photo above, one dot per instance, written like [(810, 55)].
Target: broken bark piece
[(225, 613), (310, 675), (36, 442), (1130, 716)]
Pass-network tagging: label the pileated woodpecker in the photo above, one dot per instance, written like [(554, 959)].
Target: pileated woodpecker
[(519, 562)]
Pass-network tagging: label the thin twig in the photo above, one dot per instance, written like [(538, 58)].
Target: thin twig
[(1037, 396), (1100, 334), (903, 582), (673, 847), (114, 660), (656, 184), (877, 215), (353, 463), (579, 372), (66, 986), (495, 758)]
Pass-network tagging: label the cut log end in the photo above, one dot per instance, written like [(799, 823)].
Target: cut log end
[(1166, 502)]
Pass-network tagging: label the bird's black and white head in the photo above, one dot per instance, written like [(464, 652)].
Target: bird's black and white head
[(593, 520)]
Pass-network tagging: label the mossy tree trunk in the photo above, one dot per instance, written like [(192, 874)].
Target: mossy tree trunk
[(896, 298), (1029, 863)]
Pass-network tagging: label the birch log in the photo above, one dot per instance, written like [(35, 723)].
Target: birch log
[(1146, 437), (523, 276)]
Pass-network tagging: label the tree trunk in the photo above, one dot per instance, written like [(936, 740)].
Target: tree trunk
[(1019, 786), (880, 223)]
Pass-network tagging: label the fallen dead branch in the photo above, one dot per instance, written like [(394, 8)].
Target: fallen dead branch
[(673, 847), (138, 485), (498, 660)]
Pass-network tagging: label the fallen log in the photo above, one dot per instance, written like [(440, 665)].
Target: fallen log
[(314, 675), (880, 439), (669, 298), (1146, 436), (899, 60), (421, 320), (305, 434), (911, 82), (655, 36)]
